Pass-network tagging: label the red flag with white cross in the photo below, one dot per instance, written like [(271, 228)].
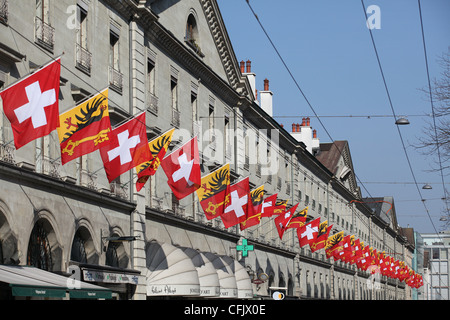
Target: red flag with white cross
[(236, 209), (32, 104), (127, 149), (182, 168)]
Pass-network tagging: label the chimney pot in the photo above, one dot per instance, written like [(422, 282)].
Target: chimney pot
[(293, 128), (266, 85), (315, 134), (249, 66), (298, 127), (303, 122), (256, 94), (242, 66), (308, 122)]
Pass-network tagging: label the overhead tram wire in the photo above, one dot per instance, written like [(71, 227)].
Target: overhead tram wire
[(393, 112), (398, 129), (432, 107), (300, 90), (303, 94)]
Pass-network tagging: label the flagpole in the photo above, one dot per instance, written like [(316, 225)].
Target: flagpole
[(33, 72)]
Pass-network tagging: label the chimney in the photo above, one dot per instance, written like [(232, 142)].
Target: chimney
[(251, 77), (266, 98), (249, 66), (304, 133)]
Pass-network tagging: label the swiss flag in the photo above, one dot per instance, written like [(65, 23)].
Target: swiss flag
[(282, 221), (182, 168), (32, 106), (128, 147), (308, 233), (236, 209), (268, 206)]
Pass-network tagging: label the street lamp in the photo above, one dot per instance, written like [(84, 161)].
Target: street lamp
[(402, 121), (427, 187)]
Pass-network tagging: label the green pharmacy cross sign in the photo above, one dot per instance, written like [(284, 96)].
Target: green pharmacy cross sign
[(245, 248)]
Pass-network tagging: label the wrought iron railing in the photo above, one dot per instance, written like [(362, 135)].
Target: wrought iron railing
[(4, 11), (45, 34), (152, 103), (84, 59), (115, 79), (176, 118)]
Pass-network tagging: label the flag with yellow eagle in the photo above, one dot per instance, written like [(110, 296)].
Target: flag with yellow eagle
[(213, 193), (158, 148), (334, 245), (84, 128), (322, 236), (254, 210)]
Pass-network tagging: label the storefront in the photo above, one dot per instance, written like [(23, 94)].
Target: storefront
[(26, 282)]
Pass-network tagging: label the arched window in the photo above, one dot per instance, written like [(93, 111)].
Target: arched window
[(112, 258), (78, 252), (39, 251), (191, 29)]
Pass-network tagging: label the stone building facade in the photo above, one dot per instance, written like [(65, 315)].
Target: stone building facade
[(174, 61)]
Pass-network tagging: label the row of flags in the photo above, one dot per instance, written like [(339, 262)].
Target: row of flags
[(31, 106)]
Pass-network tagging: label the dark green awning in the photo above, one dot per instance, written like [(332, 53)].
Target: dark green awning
[(37, 291), (26, 281)]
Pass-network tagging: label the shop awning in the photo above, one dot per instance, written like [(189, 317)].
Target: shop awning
[(170, 272), (243, 282), (207, 275), (27, 281), (224, 267)]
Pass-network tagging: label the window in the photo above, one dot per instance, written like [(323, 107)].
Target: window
[(174, 98), (78, 252), (191, 29), (83, 56), (152, 100), (43, 31), (115, 76), (39, 253), (192, 37), (435, 253)]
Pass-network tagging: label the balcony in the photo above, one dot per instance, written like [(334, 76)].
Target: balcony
[(4, 11), (83, 59), (152, 103), (7, 153), (176, 118), (45, 34), (115, 80)]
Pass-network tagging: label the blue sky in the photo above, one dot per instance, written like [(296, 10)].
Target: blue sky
[(328, 49)]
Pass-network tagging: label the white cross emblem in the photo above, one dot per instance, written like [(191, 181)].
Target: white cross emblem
[(123, 150), (37, 101), (185, 170), (309, 232), (266, 205), (236, 204)]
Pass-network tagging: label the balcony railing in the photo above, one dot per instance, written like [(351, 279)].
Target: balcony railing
[(84, 59), (176, 118), (4, 11), (115, 79), (45, 34), (7, 153), (152, 103)]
